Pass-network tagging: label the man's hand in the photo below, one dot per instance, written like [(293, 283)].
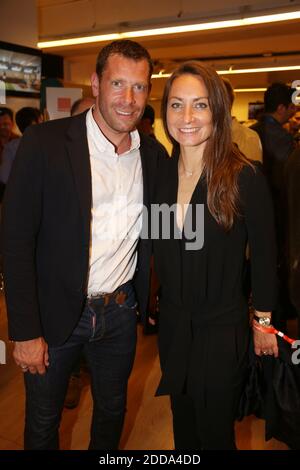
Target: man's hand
[(32, 355)]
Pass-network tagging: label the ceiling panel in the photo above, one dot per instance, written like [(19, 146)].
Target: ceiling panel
[(63, 18), (99, 15)]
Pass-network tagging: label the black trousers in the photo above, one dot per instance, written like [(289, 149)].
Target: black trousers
[(189, 420), (204, 411)]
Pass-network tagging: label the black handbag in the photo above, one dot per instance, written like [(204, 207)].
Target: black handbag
[(272, 392)]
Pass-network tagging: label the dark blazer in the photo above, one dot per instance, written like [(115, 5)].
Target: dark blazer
[(46, 229)]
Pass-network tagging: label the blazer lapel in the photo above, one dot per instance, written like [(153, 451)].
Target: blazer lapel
[(78, 152)]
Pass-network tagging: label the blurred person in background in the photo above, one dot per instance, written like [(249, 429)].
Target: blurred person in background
[(293, 126), (6, 135), (81, 105), (6, 127), (25, 117), (278, 145), (246, 139)]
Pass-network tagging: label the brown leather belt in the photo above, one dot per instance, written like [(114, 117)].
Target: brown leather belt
[(118, 295)]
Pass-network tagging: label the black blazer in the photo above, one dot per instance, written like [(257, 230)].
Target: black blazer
[(46, 229)]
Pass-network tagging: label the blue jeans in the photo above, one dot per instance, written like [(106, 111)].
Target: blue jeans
[(107, 336)]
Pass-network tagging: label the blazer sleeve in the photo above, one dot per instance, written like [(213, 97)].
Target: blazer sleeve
[(21, 219), (259, 218)]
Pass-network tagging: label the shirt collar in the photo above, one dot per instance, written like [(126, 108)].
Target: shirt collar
[(98, 140)]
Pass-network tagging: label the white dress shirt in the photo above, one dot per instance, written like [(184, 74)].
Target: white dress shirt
[(117, 203)]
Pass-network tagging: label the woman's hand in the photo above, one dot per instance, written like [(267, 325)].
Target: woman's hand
[(265, 343)]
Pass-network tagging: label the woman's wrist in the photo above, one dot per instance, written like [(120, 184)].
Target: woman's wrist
[(263, 318)]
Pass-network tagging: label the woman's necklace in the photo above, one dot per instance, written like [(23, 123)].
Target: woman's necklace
[(189, 173)]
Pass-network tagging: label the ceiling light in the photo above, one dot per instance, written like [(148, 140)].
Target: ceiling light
[(232, 71), (258, 70), (248, 90), (161, 75), (173, 29)]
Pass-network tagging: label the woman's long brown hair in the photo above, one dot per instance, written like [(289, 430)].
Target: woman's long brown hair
[(222, 159)]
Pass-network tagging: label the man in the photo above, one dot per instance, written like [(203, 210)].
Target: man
[(147, 121), (71, 225), (293, 126), (246, 139), (277, 143), (6, 135), (24, 117), (81, 105), (6, 127)]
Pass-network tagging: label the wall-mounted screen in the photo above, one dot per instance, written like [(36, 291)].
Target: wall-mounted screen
[(20, 69)]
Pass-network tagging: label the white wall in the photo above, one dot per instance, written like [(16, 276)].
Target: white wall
[(240, 105)]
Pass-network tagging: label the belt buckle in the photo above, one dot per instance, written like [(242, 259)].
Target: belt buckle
[(97, 295)]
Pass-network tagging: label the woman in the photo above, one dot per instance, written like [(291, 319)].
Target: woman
[(204, 329)]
